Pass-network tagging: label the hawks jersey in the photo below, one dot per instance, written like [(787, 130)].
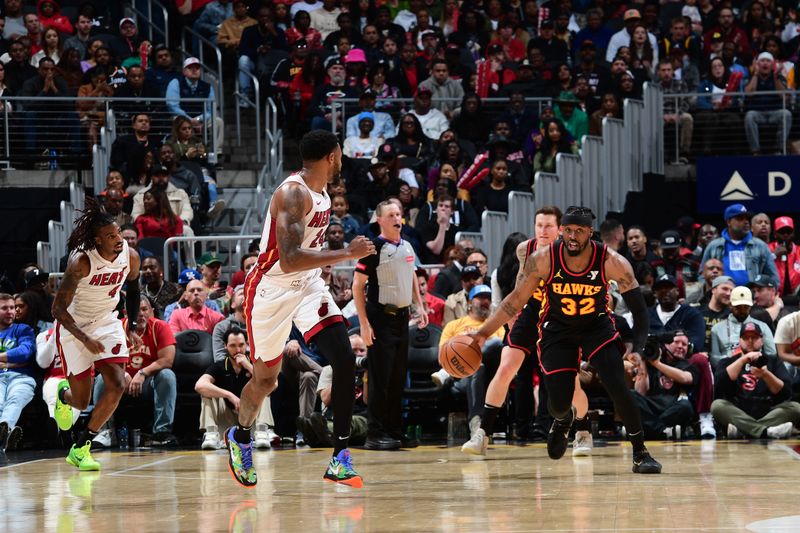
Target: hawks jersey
[(575, 298), (97, 295), (316, 221)]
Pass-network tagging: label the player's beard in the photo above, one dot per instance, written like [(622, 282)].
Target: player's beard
[(577, 252)]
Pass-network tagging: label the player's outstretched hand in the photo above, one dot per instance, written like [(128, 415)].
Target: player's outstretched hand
[(480, 339), (361, 247), (93, 345)]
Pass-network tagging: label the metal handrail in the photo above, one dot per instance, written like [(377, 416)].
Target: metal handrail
[(191, 241), (216, 73), (257, 104), (148, 18)]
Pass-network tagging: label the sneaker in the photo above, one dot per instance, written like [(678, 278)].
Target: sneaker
[(340, 470), (15, 436), (441, 378), (783, 431), (3, 435), (582, 447), (210, 441), (707, 430), (82, 457), (643, 463), (164, 439), (667, 433), (733, 432), (274, 438), (63, 411), (558, 438), (474, 424), (216, 208), (299, 439), (261, 440), (102, 440), (240, 460), (478, 444)]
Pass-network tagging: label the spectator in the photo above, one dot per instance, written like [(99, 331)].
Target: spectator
[(669, 315), (754, 391), (47, 358), (676, 260), (345, 28), (609, 107), (123, 148), (708, 232), (612, 233), (728, 31), (178, 199), (663, 386), (787, 339), (191, 86), (787, 256), (211, 268), (718, 307), (16, 378), (676, 109), (52, 47), (554, 49), (433, 121), (158, 219), (50, 16), (184, 143), (742, 256), (187, 275), (766, 108), (556, 141), (321, 107), (325, 19), (725, 334), (131, 236), (632, 18), (162, 70), (457, 305), (377, 77), (364, 145), (255, 46), (220, 389), (433, 303), (384, 127), (644, 57), (439, 233), (287, 70), (301, 370), (575, 120), (139, 88), (96, 48), (31, 309), (230, 31), (472, 122), (83, 31), (149, 376), (442, 88), (160, 292), (412, 144), (765, 297), (212, 17), (246, 263), (69, 68), (114, 201), (126, 45), (492, 195), (15, 24), (34, 28), (196, 315), (761, 226), (92, 113), (716, 112), (18, 69), (235, 320)]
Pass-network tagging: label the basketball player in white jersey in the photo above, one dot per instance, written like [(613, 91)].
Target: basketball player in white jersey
[(88, 333), (285, 286)]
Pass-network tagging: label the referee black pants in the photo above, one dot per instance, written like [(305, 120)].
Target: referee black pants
[(387, 364)]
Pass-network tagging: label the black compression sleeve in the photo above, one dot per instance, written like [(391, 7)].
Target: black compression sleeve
[(132, 301), (641, 321)]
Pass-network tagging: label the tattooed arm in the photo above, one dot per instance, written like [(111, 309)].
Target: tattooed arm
[(536, 268), (77, 268), (289, 209), (619, 269), (522, 256)]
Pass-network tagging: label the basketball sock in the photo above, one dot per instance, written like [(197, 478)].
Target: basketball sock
[(334, 344), (489, 416), (583, 424), (339, 444), (84, 435), (242, 433), (637, 441)]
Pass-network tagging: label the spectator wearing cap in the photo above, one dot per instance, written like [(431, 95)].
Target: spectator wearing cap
[(676, 260), (719, 305), (595, 31), (383, 125), (196, 315), (446, 92), (787, 256), (575, 119), (126, 45), (632, 18), (321, 107), (230, 31), (766, 297), (187, 275), (355, 64), (255, 46), (287, 69), (433, 121), (554, 49), (742, 256), (210, 266), (192, 86), (457, 304), (729, 31), (364, 145), (725, 334), (669, 315), (36, 282), (753, 390), (766, 108), (160, 291), (211, 18)]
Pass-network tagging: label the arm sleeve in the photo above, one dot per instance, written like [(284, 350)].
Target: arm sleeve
[(132, 301), (641, 322)]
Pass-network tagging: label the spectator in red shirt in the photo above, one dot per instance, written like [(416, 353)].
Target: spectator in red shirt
[(158, 219), (434, 304), (149, 377), (513, 48), (787, 255), (50, 16), (196, 315), (730, 32)]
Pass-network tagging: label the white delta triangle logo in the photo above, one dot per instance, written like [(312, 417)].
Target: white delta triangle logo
[(778, 184)]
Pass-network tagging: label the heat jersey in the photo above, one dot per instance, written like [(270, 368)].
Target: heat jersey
[(316, 222), (575, 299), (97, 295)]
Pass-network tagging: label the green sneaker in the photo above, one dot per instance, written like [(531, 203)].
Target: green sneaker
[(240, 460), (63, 412), (82, 457)]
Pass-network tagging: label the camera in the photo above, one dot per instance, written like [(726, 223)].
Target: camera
[(655, 344), (361, 363)]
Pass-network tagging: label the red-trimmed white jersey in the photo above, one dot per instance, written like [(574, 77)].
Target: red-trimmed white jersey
[(97, 294), (313, 238)]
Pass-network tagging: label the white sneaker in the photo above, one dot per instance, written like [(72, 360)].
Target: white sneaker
[(477, 445), (667, 433), (210, 441), (733, 432), (474, 424), (273, 438), (102, 440), (582, 447), (783, 431), (707, 430), (216, 208), (261, 440), (441, 378)]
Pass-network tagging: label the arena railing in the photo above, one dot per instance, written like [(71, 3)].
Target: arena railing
[(147, 11), (228, 247), (728, 139), (652, 130), (521, 212), (255, 103)]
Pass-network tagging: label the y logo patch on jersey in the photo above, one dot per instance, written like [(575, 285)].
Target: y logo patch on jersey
[(593, 274)]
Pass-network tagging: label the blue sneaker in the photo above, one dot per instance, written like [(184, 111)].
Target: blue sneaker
[(340, 470), (240, 460)]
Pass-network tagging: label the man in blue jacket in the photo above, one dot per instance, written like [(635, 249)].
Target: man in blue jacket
[(743, 257), (17, 352), (669, 315)]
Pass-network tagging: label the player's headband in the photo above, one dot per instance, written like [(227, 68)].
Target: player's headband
[(577, 219)]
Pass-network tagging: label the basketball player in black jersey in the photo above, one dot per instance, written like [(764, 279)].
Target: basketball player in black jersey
[(575, 322)]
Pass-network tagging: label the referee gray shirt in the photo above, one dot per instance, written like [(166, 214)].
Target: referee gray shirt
[(390, 273)]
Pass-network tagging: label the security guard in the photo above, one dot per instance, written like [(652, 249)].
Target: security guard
[(383, 312)]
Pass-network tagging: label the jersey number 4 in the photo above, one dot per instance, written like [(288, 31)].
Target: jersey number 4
[(319, 239), (572, 307)]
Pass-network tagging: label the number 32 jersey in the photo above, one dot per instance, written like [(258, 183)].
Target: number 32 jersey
[(575, 299), (316, 222)]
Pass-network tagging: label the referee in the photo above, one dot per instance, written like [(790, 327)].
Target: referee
[(383, 312)]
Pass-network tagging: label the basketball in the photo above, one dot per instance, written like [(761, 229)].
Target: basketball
[(460, 356)]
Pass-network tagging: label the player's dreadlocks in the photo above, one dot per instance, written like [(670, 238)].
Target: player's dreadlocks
[(93, 218)]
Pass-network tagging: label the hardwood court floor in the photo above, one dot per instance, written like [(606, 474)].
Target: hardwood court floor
[(708, 486)]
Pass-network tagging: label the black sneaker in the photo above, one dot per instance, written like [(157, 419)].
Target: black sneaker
[(643, 463), (14, 438), (164, 439), (382, 442), (3, 435), (558, 438)]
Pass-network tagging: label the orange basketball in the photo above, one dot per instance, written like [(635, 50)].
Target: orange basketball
[(460, 356)]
